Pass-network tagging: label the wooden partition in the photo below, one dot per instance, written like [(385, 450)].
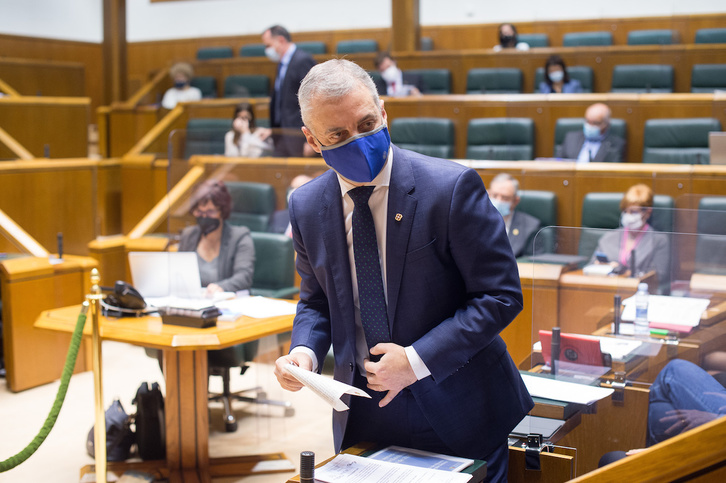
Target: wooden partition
[(58, 125), (32, 77)]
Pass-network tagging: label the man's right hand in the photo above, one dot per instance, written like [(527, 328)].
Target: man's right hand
[(283, 377)]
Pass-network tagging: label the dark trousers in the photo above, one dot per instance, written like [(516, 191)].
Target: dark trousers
[(402, 423)]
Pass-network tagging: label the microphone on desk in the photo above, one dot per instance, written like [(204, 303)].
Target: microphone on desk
[(616, 317), (632, 264), (555, 349), (307, 467), (59, 238)]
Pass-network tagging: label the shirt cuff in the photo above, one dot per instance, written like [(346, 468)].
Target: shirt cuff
[(308, 351), (418, 366)]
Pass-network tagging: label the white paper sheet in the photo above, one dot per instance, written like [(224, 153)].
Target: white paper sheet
[(346, 468), (564, 391), (663, 309), (257, 307), (328, 389)]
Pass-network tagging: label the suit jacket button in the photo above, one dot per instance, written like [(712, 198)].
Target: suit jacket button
[(351, 367)]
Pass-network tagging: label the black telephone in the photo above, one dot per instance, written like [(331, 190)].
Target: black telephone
[(123, 300)]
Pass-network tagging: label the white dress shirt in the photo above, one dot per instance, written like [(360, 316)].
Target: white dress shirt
[(588, 151)]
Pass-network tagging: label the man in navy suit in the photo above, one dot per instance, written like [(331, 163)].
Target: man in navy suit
[(293, 64), (444, 382)]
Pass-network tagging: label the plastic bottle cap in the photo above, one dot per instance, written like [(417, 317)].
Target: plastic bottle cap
[(642, 286)]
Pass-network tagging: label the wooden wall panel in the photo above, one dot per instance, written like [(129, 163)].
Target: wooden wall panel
[(43, 77), (86, 53)]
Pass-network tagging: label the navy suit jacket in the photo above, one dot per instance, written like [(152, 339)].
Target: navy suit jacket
[(300, 63), (453, 285)]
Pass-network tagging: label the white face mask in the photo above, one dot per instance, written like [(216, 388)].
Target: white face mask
[(272, 54), (390, 74), (557, 76), (632, 221)]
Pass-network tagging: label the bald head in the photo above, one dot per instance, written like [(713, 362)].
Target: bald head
[(598, 115)]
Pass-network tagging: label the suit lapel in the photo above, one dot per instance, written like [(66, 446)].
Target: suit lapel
[(401, 210), (602, 152)]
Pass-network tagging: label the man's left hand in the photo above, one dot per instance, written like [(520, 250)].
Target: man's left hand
[(391, 373)]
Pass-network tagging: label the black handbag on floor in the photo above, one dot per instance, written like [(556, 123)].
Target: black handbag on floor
[(150, 423), (119, 436)]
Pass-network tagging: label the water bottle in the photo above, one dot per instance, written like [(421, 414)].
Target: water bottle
[(641, 310)]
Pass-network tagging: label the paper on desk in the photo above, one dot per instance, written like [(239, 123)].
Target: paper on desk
[(663, 309), (257, 307), (564, 391), (328, 389), (347, 468)]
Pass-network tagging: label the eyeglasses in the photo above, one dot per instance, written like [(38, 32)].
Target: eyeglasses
[(634, 210), (198, 212)]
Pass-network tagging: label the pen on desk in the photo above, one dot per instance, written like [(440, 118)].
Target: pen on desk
[(660, 333)]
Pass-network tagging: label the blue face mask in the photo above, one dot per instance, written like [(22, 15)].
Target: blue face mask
[(592, 133), (361, 157), (180, 84), (502, 207)]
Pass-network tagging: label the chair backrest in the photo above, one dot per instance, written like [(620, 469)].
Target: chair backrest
[(427, 44), (206, 136), (207, 84), (642, 78), (543, 206), (534, 40), (356, 46), (567, 124), (313, 47), (601, 211), (582, 39), (506, 138), (678, 141), (582, 73), (711, 229), (711, 36), (250, 85), (252, 204), (708, 77), (652, 37), (429, 136), (494, 81), (252, 50), (435, 81), (206, 53), (274, 265)]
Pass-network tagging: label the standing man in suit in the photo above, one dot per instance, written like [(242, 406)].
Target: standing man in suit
[(417, 322), (595, 143), (521, 227), (394, 82), (292, 65)]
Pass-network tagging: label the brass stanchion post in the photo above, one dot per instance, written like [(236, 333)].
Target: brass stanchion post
[(99, 435)]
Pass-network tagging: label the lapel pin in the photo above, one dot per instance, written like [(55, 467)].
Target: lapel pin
[(516, 231), (399, 217)]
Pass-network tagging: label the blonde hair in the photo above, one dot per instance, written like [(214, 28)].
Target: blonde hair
[(638, 195), (182, 68)]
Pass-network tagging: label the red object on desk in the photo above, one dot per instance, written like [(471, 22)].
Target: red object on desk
[(575, 348)]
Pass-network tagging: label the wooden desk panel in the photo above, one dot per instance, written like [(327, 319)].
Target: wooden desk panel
[(31, 77)]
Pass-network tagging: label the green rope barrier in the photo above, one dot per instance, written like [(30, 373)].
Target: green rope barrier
[(14, 461)]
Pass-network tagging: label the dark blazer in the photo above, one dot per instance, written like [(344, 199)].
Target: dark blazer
[(236, 260), (521, 233), (300, 63), (408, 79), (453, 285), (612, 149)]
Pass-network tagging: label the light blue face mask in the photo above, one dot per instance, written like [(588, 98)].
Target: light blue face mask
[(502, 207), (361, 157), (592, 133)]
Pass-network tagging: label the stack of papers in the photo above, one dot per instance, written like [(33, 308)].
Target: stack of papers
[(564, 391), (680, 314), (256, 307)]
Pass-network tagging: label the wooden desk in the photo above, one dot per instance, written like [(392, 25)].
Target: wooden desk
[(185, 372)]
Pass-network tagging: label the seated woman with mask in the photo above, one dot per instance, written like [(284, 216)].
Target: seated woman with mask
[(225, 252), (636, 238), (181, 74), (245, 139), (557, 80)]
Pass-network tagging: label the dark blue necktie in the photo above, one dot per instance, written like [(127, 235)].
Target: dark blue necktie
[(372, 300)]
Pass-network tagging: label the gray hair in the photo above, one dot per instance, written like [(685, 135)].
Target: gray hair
[(506, 177), (334, 78)]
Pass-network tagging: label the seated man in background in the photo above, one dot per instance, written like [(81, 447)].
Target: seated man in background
[(396, 83), (521, 227), (508, 39), (181, 74), (595, 143)]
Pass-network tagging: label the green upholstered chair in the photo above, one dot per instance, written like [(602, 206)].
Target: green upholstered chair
[(543, 206), (504, 138), (710, 36), (567, 124), (427, 44), (708, 77), (711, 238), (435, 81), (206, 136), (642, 78), (252, 204), (583, 39), (356, 46), (429, 136), (206, 53), (313, 47), (652, 37), (252, 50), (678, 141), (503, 80), (207, 84), (535, 40), (250, 85), (582, 73)]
